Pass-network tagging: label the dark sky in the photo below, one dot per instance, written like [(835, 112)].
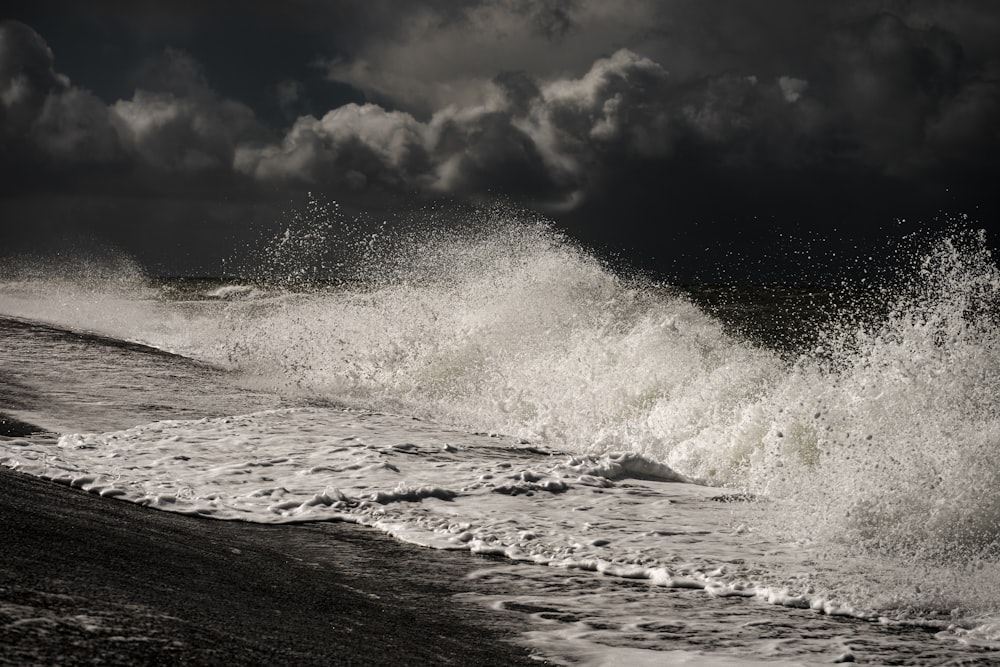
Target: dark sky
[(713, 141)]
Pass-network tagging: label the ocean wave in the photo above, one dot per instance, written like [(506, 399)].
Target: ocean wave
[(878, 441)]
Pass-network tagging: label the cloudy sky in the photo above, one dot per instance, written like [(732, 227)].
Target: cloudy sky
[(702, 139)]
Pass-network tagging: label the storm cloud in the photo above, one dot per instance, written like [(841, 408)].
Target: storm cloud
[(570, 106), (177, 124), (42, 115), (891, 97)]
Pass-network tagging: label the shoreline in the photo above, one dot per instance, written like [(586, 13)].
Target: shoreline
[(86, 579), (11, 427)]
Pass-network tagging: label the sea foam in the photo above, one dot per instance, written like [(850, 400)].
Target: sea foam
[(875, 447)]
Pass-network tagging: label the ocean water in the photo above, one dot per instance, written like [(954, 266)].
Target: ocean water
[(658, 475)]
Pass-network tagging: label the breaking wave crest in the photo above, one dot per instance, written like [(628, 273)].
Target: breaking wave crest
[(882, 435), (509, 328), (880, 438), (886, 436)]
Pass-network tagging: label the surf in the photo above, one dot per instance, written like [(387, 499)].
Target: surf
[(871, 440)]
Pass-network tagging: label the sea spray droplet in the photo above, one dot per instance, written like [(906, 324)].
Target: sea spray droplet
[(502, 324), (450, 324), (921, 384)]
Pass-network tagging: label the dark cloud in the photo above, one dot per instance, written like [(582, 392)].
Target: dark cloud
[(427, 55), (177, 125), (704, 110), (555, 18), (48, 128), (526, 139), (896, 98), (73, 127), (27, 78), (289, 95), (520, 90), (180, 124), (966, 128), (890, 81)]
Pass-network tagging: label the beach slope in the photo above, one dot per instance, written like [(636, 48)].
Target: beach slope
[(85, 579)]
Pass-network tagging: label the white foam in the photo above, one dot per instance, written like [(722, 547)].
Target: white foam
[(874, 454), (436, 487), (412, 479), (579, 651), (234, 292)]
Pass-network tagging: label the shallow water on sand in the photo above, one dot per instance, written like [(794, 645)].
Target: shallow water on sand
[(69, 380)]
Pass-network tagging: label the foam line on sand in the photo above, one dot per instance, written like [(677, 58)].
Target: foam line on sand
[(87, 579)]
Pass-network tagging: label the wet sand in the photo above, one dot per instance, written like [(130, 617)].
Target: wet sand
[(86, 580)]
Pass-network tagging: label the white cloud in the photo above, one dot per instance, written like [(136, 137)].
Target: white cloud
[(545, 140), (792, 89), (539, 139), (350, 144)]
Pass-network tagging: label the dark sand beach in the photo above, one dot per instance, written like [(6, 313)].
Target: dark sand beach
[(90, 580)]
